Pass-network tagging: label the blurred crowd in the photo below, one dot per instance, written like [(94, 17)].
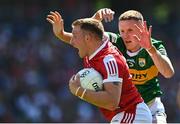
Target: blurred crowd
[(35, 66)]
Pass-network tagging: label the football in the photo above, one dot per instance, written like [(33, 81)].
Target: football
[(91, 79)]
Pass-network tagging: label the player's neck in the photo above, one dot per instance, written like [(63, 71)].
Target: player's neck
[(94, 46)]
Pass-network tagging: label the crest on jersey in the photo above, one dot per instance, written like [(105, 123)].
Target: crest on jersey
[(142, 62)]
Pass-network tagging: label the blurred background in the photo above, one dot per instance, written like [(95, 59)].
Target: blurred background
[(35, 66)]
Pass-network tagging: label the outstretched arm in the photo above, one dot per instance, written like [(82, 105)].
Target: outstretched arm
[(58, 24), (162, 62)]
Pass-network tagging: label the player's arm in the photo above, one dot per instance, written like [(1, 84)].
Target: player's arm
[(161, 61), (108, 98), (58, 26)]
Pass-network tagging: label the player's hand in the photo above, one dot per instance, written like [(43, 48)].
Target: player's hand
[(144, 38), (57, 22), (74, 83), (105, 13)]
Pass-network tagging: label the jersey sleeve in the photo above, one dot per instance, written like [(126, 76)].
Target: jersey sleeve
[(111, 70), (159, 46)]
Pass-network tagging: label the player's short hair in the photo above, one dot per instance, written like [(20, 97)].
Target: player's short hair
[(91, 25), (131, 15)]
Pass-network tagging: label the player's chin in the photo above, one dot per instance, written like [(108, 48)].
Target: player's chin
[(128, 45)]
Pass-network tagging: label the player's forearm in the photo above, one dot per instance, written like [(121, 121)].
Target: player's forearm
[(65, 36), (101, 99), (162, 63)]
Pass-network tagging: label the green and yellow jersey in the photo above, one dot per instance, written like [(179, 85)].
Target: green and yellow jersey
[(144, 72)]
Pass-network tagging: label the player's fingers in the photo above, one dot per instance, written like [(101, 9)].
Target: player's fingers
[(104, 15), (59, 16), (105, 19), (145, 26), (150, 30), (100, 15), (107, 15), (50, 21), (77, 77), (104, 11), (140, 30), (51, 17), (110, 14), (54, 15), (141, 26), (137, 39), (72, 78), (62, 22)]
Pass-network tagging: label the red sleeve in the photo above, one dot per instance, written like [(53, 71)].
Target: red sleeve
[(110, 69)]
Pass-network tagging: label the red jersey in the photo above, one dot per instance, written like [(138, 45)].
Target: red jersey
[(111, 64)]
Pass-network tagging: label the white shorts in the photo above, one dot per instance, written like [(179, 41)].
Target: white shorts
[(158, 111), (142, 115)]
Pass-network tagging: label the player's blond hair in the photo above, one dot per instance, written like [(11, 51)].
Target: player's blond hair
[(91, 25), (131, 15)]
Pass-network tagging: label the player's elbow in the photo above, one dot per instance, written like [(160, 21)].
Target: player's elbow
[(113, 105), (169, 74)]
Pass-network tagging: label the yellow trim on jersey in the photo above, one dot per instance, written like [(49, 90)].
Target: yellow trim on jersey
[(141, 77)]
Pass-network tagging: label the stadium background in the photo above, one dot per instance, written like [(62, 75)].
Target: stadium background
[(35, 67)]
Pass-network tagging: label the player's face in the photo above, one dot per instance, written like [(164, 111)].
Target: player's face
[(78, 41), (127, 29)]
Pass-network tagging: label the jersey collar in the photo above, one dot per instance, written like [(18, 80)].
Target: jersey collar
[(131, 54)]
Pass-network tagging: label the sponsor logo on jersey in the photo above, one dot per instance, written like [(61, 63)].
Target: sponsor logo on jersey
[(141, 76), (142, 62)]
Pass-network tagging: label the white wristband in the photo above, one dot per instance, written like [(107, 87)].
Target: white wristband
[(77, 91), (82, 96)]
